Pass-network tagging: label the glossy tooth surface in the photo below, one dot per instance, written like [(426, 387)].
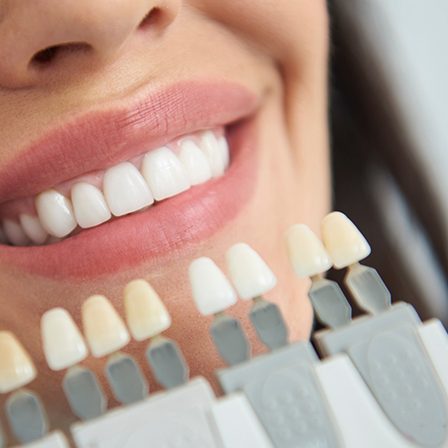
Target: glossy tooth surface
[(146, 314), (224, 151), (89, 205), (306, 251), (125, 189), (249, 273), (104, 329), (164, 173), (195, 162), (16, 367), (55, 213), (213, 152), (212, 292), (62, 341), (33, 229), (14, 233), (343, 241)]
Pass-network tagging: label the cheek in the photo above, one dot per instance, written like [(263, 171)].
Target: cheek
[(290, 31)]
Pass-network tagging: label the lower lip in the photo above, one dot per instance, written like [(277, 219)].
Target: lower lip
[(164, 230)]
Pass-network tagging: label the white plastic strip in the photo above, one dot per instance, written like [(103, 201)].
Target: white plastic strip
[(237, 424), (358, 415)]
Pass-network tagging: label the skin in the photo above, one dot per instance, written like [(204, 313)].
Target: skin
[(276, 48)]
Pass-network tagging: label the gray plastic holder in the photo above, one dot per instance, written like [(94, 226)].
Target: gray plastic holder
[(329, 303), (2, 438), (269, 324), (84, 393), (230, 339), (167, 362), (26, 416), (387, 352), (126, 378), (282, 388), (368, 289)]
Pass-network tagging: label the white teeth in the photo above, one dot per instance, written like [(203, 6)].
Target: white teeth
[(306, 252), (224, 151), (61, 339), (250, 275), (195, 162), (33, 228), (14, 233), (164, 173), (16, 367), (103, 327), (146, 314), (89, 205), (213, 151), (55, 213), (211, 290), (125, 189), (344, 242)]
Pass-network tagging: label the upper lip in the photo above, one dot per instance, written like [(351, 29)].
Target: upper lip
[(100, 138)]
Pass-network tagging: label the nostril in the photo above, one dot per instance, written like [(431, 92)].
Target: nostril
[(150, 18), (48, 55)]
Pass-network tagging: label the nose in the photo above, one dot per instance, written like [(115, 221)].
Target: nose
[(41, 37)]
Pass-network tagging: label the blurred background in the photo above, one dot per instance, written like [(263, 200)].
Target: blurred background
[(389, 101)]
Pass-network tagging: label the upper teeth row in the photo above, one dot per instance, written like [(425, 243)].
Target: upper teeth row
[(164, 172)]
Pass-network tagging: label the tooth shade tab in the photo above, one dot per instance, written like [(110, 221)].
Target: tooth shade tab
[(164, 173), (146, 314), (55, 213), (212, 292), (306, 252), (249, 273), (62, 341), (194, 162), (16, 367), (125, 189), (33, 228), (89, 205), (14, 233), (343, 241), (104, 329)]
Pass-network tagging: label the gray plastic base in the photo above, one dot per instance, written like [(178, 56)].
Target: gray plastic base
[(167, 362), (26, 416), (126, 379), (282, 389), (387, 352), (84, 393), (269, 323), (230, 339)]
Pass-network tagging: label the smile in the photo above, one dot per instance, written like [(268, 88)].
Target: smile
[(133, 182)]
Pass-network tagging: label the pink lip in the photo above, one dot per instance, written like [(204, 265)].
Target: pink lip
[(100, 139)]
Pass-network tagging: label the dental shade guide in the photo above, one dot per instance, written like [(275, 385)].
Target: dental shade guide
[(252, 278), (106, 335), (23, 408), (385, 347), (281, 385), (213, 294), (147, 318), (64, 348), (176, 417)]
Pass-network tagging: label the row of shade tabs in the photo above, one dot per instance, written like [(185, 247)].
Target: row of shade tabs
[(105, 333)]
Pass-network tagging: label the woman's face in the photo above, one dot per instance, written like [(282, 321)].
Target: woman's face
[(85, 86)]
